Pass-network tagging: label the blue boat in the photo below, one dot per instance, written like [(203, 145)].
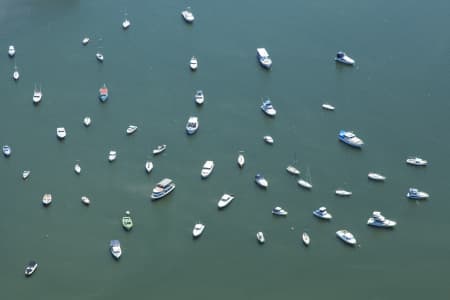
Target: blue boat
[(6, 150), (350, 138)]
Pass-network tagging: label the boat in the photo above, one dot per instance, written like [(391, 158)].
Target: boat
[(61, 132), (112, 155), (30, 268), (260, 237), (47, 199), (11, 51), (16, 74), (268, 108), (343, 58), (159, 149), (199, 97), (26, 174), (341, 192), (416, 161), (6, 150), (346, 236), (322, 213), (87, 121), (279, 211), (268, 139), (198, 230), (148, 166), (85, 200), (207, 168), (77, 168), (131, 129), (241, 159), (349, 138), (264, 58), (293, 170), (126, 23), (261, 181), (99, 56), (416, 194), (378, 220), (225, 200), (376, 177), (192, 125), (304, 183), (306, 239), (127, 222), (85, 41), (37, 95), (187, 15), (193, 63), (103, 93), (328, 106), (116, 250), (163, 188)]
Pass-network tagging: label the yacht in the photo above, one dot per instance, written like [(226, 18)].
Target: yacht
[(376, 177), (207, 168), (87, 121), (260, 237), (85, 41), (127, 221), (306, 239), (293, 170), (37, 95), (341, 192), (159, 149), (199, 97), (268, 108), (322, 213), (148, 166), (328, 106), (16, 74), (131, 129), (378, 220), (26, 174), (47, 199), (304, 183), (77, 168), (61, 132), (6, 150), (198, 230), (343, 58), (193, 63), (350, 138), (261, 181), (416, 194), (187, 15), (85, 200), (103, 93), (416, 161), (163, 188), (192, 125), (268, 139), (264, 58), (11, 51), (116, 250), (241, 159), (30, 268), (225, 200), (112, 156), (126, 23), (279, 211), (346, 236), (99, 56)]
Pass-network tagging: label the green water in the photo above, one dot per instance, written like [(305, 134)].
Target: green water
[(395, 98)]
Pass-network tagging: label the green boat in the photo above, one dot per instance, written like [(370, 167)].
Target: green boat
[(127, 222)]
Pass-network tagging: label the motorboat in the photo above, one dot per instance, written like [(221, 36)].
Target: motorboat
[(349, 138), (37, 95), (378, 220), (6, 150), (268, 108), (193, 63), (225, 200), (416, 194), (163, 188), (77, 168), (127, 222), (99, 56), (279, 211), (47, 199), (187, 15), (199, 97), (241, 159), (192, 125), (85, 200), (85, 41), (328, 106), (306, 239), (343, 58), (207, 168), (304, 183), (293, 170), (61, 132), (26, 174), (376, 177), (416, 161), (260, 237), (322, 213), (261, 181), (346, 236), (341, 192), (264, 58), (16, 74), (126, 23), (159, 149), (198, 230), (103, 93), (268, 139), (131, 129), (11, 51), (148, 166), (116, 250), (30, 268), (87, 121), (112, 156)]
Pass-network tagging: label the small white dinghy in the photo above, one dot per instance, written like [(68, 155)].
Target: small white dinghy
[(85, 200), (327, 106), (198, 230), (241, 159), (61, 132), (148, 166), (99, 56), (85, 41), (112, 156), (26, 174), (87, 121), (376, 177), (306, 239), (193, 63), (16, 74), (131, 129), (47, 199), (260, 237), (77, 168), (341, 192), (268, 139), (126, 23)]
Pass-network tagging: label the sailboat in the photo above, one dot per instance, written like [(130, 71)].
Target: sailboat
[(99, 54), (16, 74), (126, 23), (241, 159), (292, 169), (304, 183)]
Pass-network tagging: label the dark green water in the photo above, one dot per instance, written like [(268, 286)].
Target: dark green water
[(395, 98)]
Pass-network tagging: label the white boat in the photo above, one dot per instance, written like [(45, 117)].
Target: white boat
[(47, 199), (343, 58), (260, 237), (61, 132), (77, 168), (11, 51), (192, 125), (131, 129), (261, 181), (112, 156), (126, 23), (279, 211), (306, 239), (349, 138), (304, 183), (346, 236), (99, 56), (85, 41), (207, 168), (328, 106), (416, 161), (159, 149), (163, 188), (293, 170), (26, 174), (241, 159), (376, 177), (193, 63), (225, 200), (37, 95), (268, 139), (6, 150), (85, 200), (115, 249), (199, 97), (268, 108), (16, 74), (378, 220), (264, 58), (322, 213), (341, 192), (198, 230), (148, 166), (187, 15), (87, 121), (30, 268), (416, 194)]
